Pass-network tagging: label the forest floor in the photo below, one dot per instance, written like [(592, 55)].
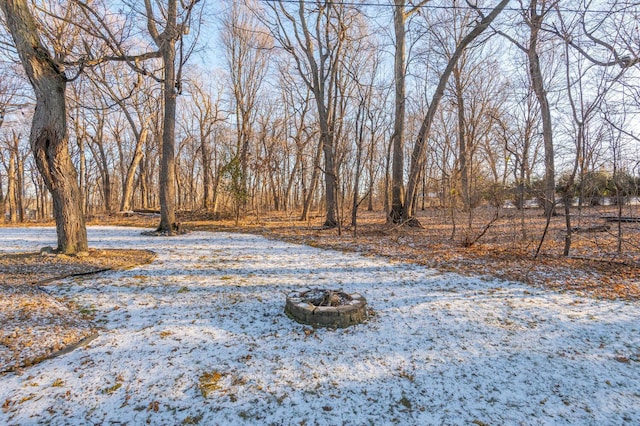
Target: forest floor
[(199, 336), (506, 250), (35, 325)]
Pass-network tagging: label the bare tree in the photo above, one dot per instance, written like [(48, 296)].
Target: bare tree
[(170, 45), (206, 114), (315, 38), (8, 104), (534, 14), (167, 22), (14, 166), (419, 147), (400, 16), (247, 48), (49, 135), (364, 64), (586, 90), (297, 101), (134, 98)]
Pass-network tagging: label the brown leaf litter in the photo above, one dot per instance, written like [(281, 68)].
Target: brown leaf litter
[(36, 325)]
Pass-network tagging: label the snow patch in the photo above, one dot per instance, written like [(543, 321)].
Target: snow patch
[(441, 348)]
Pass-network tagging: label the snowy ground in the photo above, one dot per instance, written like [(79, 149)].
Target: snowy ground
[(441, 348)]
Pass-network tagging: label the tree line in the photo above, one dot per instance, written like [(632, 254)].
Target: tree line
[(313, 107)]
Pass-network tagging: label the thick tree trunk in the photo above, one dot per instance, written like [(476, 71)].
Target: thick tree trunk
[(397, 169), (166, 42), (167, 159), (48, 136), (331, 220)]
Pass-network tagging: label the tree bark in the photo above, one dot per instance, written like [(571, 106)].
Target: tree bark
[(330, 183), (127, 186), (397, 165), (49, 136), (462, 140), (167, 159), (537, 82), (166, 42)]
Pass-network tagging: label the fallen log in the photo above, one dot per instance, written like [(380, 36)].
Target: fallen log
[(625, 219)]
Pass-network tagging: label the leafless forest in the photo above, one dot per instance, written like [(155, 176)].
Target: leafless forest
[(483, 114)]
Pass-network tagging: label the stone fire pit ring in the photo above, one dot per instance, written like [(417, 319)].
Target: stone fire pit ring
[(326, 308)]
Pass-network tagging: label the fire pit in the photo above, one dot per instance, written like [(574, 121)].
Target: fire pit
[(326, 308)]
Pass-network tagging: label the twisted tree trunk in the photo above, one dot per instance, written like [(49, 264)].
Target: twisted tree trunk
[(48, 136)]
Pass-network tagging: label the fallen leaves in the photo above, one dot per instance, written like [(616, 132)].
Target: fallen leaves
[(35, 268), (6, 405), (35, 329), (35, 325), (210, 382), (595, 270)]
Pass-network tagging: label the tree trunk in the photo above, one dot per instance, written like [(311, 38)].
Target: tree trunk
[(11, 188), (538, 87), (397, 170), (167, 159), (331, 220), (245, 136), (287, 204), (312, 186), (20, 188), (83, 174), (371, 177), (419, 148), (166, 42), (359, 135), (206, 172), (3, 202), (462, 141), (48, 136), (102, 163), (127, 187)]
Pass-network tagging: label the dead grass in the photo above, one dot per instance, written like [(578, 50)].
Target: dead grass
[(35, 325), (36, 268)]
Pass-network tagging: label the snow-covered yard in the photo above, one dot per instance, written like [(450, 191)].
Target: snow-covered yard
[(206, 318)]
